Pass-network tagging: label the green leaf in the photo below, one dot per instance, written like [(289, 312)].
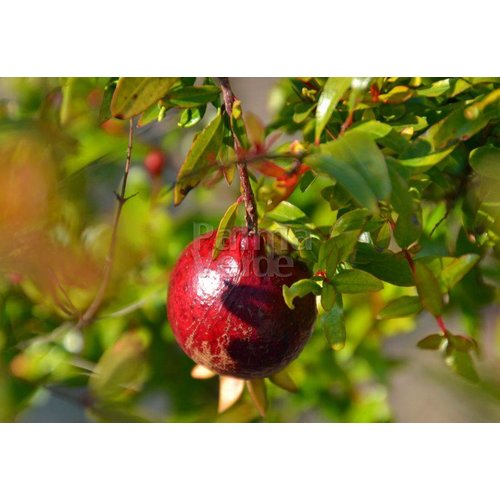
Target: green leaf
[(428, 289), (464, 122), (453, 272), (356, 281), (461, 363), (330, 96), (346, 243), (105, 109), (302, 111), (486, 161), (432, 342), (400, 307), (286, 212), (134, 95), (373, 128), (347, 177), (149, 115), (333, 324), (203, 152), (462, 343), (436, 89), (383, 237), (328, 296), (329, 258), (385, 265), (191, 116), (225, 223), (401, 198), (300, 288), (397, 95), (360, 151), (191, 97), (354, 219), (424, 163), (408, 227)]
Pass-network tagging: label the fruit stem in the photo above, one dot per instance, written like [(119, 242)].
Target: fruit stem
[(246, 188), (88, 316)]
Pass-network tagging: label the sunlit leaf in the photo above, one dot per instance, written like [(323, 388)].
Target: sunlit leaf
[(456, 269), (300, 288), (133, 95), (427, 161), (286, 212), (372, 128), (330, 96), (464, 122), (203, 152), (225, 224), (436, 89)]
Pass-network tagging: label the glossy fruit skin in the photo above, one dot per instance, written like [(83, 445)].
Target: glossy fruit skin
[(155, 162), (229, 314)]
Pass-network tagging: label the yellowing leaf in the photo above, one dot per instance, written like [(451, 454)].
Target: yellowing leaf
[(133, 95)]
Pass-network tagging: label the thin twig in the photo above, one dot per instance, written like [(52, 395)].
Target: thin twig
[(89, 314), (246, 188)]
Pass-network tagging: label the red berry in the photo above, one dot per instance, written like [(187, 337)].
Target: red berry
[(229, 314), (155, 162)]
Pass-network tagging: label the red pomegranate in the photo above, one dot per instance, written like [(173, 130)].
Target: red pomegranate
[(229, 314), (155, 162)]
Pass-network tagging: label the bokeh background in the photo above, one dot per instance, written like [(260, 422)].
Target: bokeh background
[(59, 168)]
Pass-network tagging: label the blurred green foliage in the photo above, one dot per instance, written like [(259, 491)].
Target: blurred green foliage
[(366, 174)]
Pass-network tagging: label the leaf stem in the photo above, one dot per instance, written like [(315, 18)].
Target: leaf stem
[(88, 316), (241, 164)]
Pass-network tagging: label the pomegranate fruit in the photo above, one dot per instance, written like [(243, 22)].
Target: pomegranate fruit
[(229, 314), (155, 162)]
